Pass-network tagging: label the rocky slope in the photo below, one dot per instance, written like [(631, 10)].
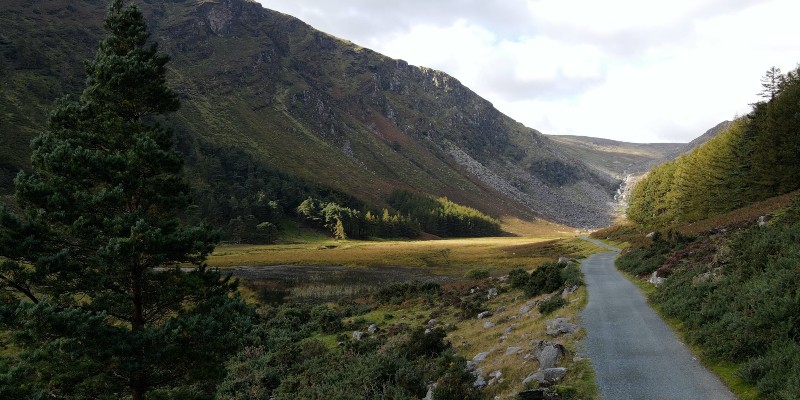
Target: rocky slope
[(305, 103)]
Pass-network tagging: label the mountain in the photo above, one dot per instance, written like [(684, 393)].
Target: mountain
[(265, 95), (617, 159), (705, 137)]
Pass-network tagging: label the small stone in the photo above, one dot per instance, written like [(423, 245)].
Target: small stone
[(513, 350), (480, 382), (372, 328), (492, 292), (432, 322), (488, 324), (500, 309), (358, 335), (546, 377), (484, 314), (524, 309), (431, 388)]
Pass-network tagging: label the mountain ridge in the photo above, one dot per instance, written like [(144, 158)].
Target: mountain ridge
[(308, 104)]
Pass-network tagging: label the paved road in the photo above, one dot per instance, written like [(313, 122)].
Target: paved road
[(635, 354)]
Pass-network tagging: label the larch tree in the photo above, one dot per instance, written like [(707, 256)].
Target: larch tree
[(94, 299)]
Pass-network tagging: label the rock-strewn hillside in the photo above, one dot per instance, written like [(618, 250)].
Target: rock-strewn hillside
[(300, 101)]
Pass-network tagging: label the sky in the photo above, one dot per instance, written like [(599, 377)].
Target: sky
[(631, 70)]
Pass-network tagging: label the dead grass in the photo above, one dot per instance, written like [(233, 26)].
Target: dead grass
[(742, 216)]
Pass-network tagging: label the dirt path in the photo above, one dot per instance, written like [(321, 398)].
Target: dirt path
[(634, 353)]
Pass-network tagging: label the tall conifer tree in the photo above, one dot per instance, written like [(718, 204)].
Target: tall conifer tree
[(91, 286)]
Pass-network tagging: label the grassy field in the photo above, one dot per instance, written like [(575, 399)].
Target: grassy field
[(452, 257)]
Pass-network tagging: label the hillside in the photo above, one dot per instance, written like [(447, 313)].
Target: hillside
[(614, 158), (266, 99), (723, 251)]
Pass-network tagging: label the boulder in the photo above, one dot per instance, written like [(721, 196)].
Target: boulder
[(484, 314), (513, 350), (480, 356), (651, 235), (548, 354), (559, 326), (488, 324), (372, 328), (358, 335), (480, 382), (524, 309), (546, 377)]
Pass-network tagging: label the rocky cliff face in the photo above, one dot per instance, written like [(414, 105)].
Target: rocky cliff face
[(321, 108)]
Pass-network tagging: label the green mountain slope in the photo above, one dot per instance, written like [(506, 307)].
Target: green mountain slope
[(264, 91), (614, 158)]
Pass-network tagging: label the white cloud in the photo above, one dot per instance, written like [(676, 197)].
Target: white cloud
[(623, 69)]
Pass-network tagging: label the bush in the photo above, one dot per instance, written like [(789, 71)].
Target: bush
[(477, 274), (518, 278), (545, 279), (571, 275), (397, 293), (552, 304)]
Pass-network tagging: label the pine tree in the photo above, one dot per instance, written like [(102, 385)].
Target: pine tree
[(90, 265)]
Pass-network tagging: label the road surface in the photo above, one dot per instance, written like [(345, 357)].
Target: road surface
[(634, 353)]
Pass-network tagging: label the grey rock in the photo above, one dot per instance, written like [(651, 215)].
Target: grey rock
[(480, 356), (484, 314), (428, 331), (488, 324), (372, 328), (492, 292), (559, 326), (550, 355), (358, 335), (471, 366), (650, 235), (568, 291), (513, 350), (431, 388), (524, 309), (655, 279), (480, 381), (432, 322), (496, 378), (546, 377)]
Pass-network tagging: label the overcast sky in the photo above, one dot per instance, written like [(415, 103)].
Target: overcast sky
[(632, 70)]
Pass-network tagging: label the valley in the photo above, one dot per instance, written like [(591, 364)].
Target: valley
[(227, 203)]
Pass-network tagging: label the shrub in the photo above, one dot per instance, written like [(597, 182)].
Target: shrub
[(552, 304), (518, 278), (544, 279), (477, 274), (397, 293)]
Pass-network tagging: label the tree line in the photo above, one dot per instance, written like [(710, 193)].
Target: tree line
[(413, 213), (756, 157)]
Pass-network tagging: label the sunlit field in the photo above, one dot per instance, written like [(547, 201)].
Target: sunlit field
[(445, 257)]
